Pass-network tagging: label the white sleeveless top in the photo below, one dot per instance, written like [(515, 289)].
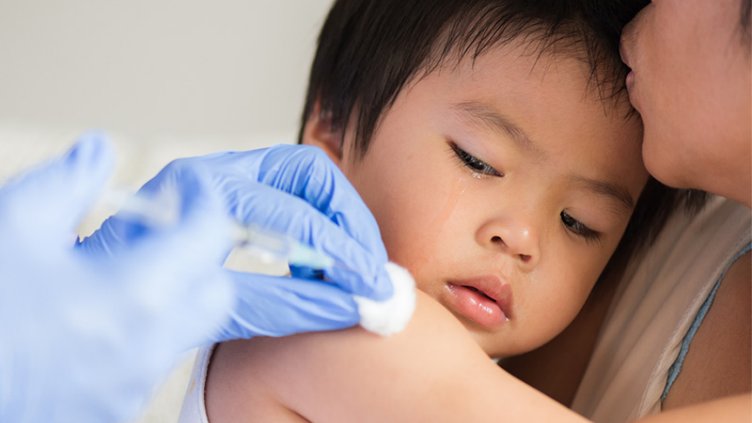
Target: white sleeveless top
[(653, 309), (194, 407)]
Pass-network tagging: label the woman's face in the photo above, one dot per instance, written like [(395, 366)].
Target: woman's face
[(690, 81), (504, 187)]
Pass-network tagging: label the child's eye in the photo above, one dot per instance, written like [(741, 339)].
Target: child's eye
[(578, 228), (475, 164)]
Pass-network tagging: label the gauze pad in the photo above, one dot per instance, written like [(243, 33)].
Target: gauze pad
[(390, 316)]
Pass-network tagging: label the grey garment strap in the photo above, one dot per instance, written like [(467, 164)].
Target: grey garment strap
[(676, 367)]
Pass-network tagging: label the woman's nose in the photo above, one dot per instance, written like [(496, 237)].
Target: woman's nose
[(515, 237)]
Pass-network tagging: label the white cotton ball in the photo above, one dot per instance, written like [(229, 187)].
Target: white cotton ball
[(392, 315)]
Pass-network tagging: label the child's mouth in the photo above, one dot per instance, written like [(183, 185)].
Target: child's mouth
[(484, 300)]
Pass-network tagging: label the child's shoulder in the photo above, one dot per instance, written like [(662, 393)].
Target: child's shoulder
[(281, 379)]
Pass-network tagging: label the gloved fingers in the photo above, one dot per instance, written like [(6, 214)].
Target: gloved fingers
[(185, 295), (166, 202), (122, 230), (198, 314), (303, 171), (169, 263), (308, 173), (171, 175), (52, 199), (151, 301), (200, 203), (278, 306), (356, 269)]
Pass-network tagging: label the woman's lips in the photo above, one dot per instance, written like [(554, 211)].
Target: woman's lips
[(632, 89), (485, 300), (630, 81), (624, 52)]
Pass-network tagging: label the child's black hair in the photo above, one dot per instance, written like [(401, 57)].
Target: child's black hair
[(368, 50)]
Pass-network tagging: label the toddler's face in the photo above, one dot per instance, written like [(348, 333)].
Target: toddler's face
[(504, 187)]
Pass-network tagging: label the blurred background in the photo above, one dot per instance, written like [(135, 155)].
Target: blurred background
[(164, 78)]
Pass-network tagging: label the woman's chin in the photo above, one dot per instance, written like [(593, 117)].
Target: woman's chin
[(662, 164)]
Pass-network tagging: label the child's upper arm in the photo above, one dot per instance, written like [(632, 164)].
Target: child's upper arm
[(432, 371)]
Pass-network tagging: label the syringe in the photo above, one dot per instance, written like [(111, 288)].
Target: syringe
[(272, 246), (266, 245), (381, 317)]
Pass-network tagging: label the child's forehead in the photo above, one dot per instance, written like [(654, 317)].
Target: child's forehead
[(523, 96), (527, 60), (515, 68)]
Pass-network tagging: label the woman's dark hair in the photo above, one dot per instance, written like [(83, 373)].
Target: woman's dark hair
[(368, 50)]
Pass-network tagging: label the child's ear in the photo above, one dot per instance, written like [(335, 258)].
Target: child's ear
[(320, 132)]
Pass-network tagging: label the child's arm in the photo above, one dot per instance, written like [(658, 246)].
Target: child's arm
[(433, 371)]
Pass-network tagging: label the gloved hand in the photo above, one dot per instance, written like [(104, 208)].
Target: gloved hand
[(82, 338), (292, 189)]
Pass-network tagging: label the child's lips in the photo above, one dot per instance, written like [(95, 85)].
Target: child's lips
[(486, 300)]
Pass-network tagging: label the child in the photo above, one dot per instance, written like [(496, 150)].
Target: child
[(494, 144)]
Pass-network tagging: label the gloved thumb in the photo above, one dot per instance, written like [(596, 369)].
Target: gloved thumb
[(47, 203)]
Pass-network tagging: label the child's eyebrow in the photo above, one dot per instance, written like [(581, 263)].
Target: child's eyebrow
[(487, 117), (613, 191)]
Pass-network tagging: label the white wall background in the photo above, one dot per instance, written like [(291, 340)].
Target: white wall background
[(186, 76)]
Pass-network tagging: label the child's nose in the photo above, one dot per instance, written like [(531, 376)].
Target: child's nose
[(518, 238)]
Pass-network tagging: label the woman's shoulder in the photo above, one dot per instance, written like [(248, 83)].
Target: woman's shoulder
[(718, 362)]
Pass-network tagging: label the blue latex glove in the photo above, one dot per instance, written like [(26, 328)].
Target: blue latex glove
[(82, 338), (292, 189)]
